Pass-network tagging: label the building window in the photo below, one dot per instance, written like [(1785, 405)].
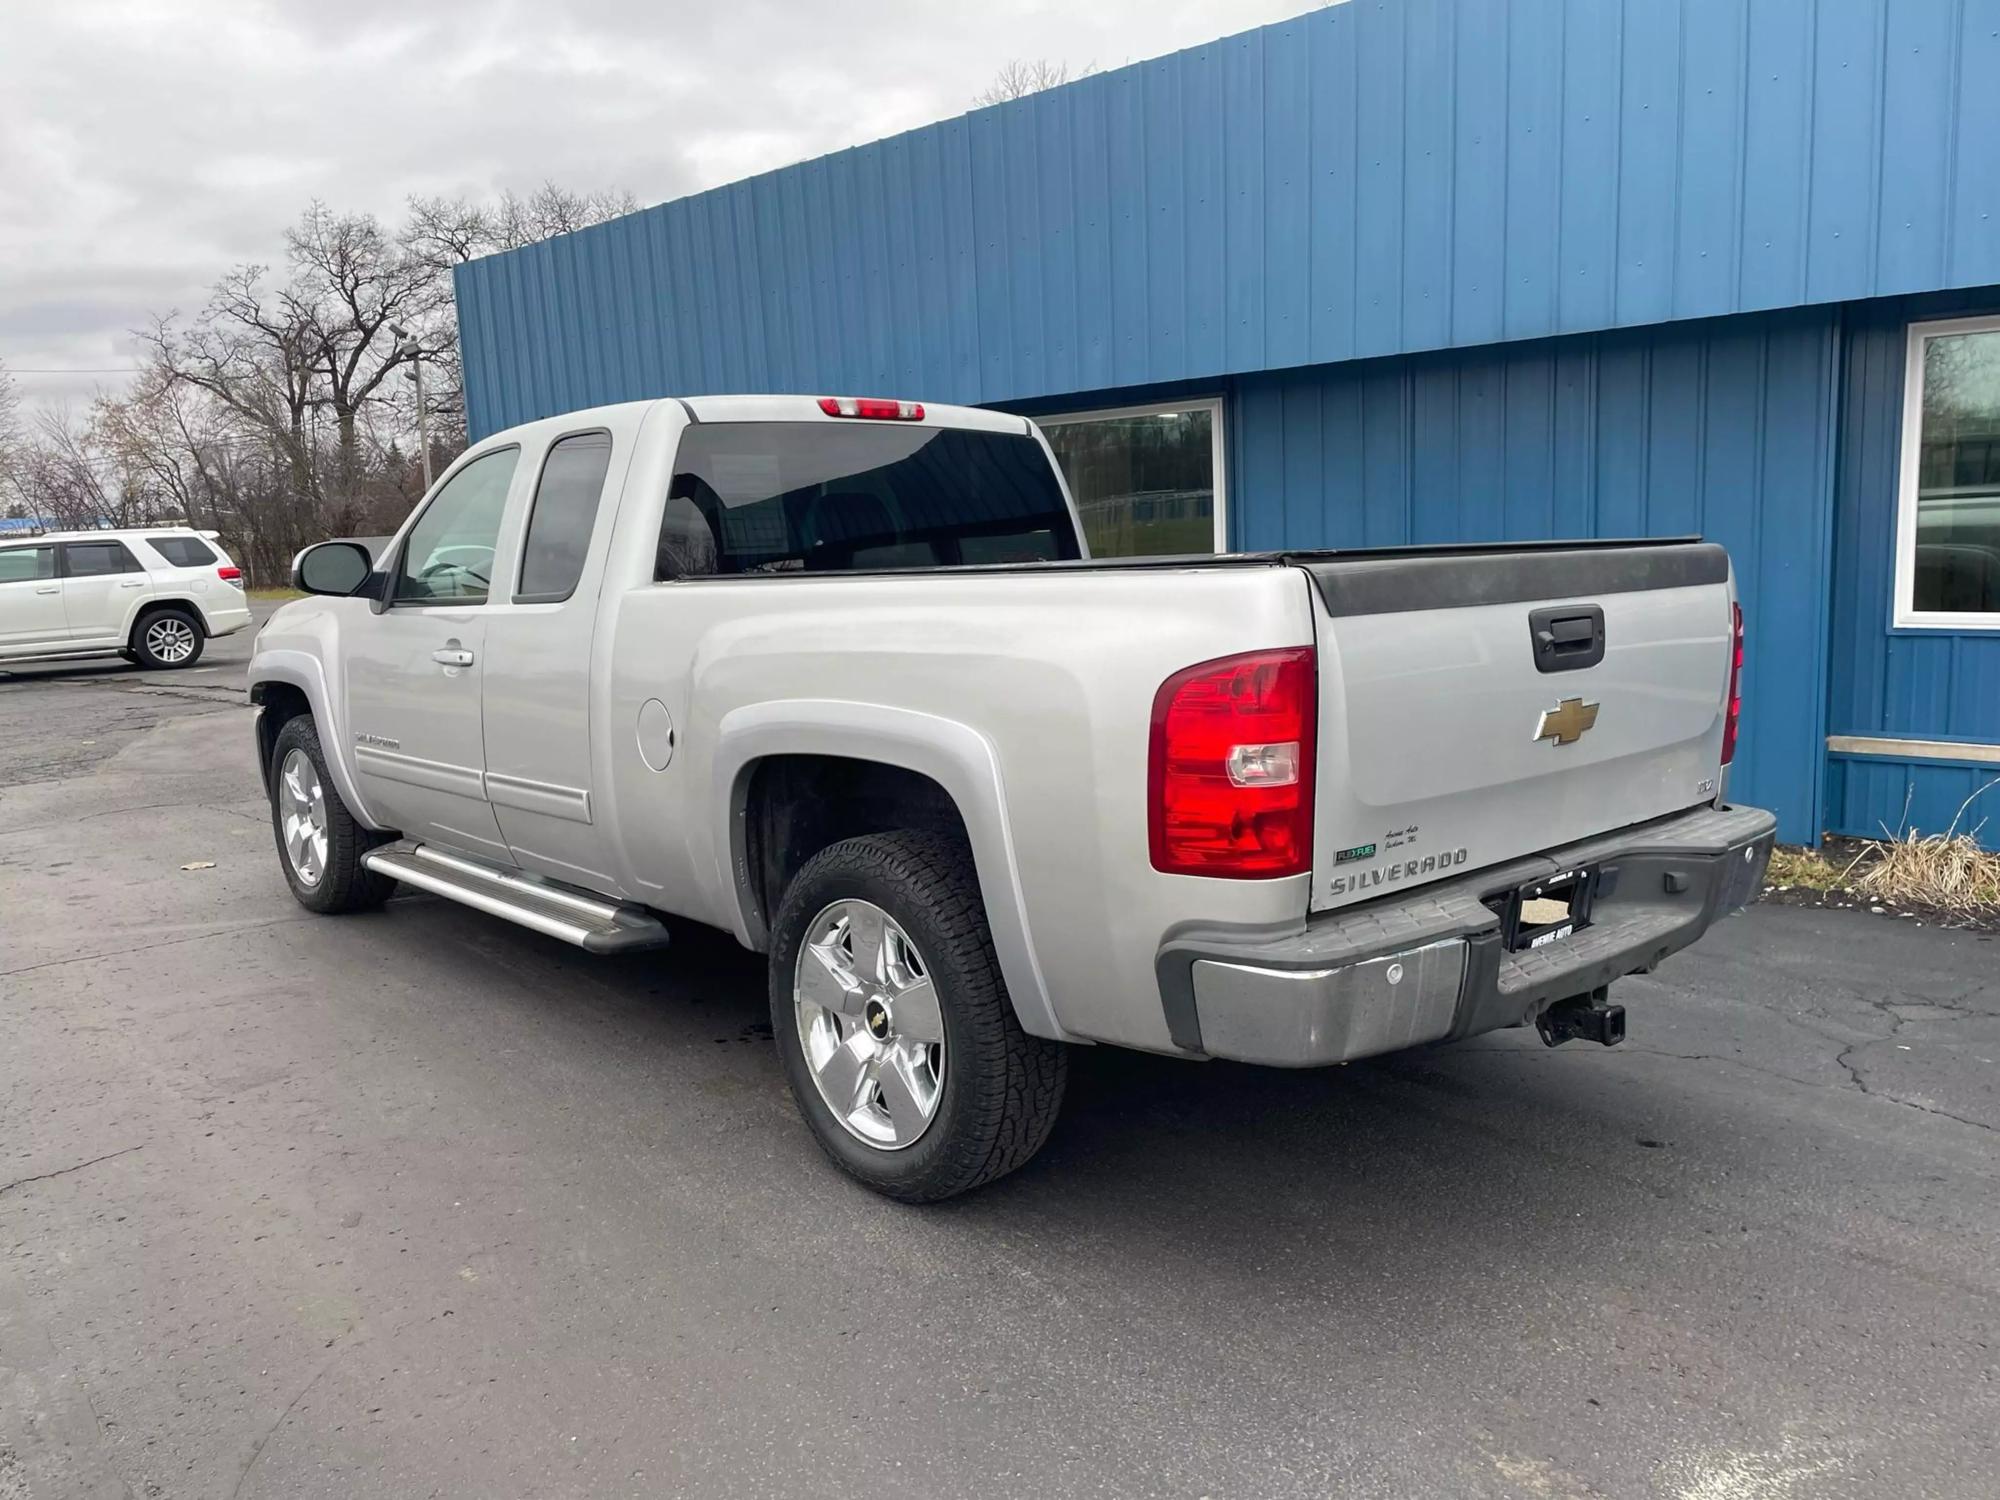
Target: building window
[(1948, 513), (1147, 480)]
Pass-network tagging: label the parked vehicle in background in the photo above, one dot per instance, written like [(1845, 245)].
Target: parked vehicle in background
[(154, 595), (839, 676)]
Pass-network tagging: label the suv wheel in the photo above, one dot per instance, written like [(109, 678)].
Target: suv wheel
[(894, 1027), (168, 638), (319, 843)]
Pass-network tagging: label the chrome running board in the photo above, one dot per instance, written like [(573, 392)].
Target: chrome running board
[(594, 924)]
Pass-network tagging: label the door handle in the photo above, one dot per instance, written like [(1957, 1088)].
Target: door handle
[(449, 657), (52, 589), (132, 583)]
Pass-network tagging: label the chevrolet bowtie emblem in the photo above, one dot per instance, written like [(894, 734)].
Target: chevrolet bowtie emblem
[(1567, 722)]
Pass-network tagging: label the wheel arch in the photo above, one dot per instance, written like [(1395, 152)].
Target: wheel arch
[(152, 604), (882, 752)]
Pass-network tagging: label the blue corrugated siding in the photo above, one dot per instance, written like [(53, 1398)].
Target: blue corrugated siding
[(1721, 428), (1921, 684), (1874, 798), (1373, 178)]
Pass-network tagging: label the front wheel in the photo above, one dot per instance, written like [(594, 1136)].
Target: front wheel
[(319, 843), (893, 1023)]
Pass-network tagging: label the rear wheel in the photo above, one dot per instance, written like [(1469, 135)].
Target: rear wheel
[(319, 843), (893, 1024), (168, 638)]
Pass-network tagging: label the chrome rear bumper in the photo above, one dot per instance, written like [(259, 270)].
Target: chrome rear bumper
[(1432, 965)]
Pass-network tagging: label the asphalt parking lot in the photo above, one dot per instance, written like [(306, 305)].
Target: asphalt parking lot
[(423, 1204)]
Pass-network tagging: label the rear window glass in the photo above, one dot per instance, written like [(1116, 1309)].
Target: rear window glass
[(824, 497), (182, 551)]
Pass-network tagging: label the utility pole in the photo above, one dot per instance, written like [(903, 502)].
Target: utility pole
[(406, 342)]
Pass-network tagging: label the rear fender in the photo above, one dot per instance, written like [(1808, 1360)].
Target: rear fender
[(954, 755)]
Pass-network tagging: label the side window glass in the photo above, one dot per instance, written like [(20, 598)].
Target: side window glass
[(26, 564), (563, 517), (95, 559), (448, 557), (181, 551)]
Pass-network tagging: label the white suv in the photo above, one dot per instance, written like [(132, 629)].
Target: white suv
[(153, 595)]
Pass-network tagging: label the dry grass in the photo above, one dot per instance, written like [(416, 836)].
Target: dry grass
[(1806, 869), (1948, 871)]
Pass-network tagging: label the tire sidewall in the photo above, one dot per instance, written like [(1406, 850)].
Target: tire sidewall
[(144, 653), (838, 875), (329, 895)]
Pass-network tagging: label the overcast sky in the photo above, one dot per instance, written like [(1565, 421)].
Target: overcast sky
[(148, 145)]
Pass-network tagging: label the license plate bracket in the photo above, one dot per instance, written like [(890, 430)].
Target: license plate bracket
[(1546, 910)]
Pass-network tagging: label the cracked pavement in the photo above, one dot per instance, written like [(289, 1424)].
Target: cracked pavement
[(423, 1204)]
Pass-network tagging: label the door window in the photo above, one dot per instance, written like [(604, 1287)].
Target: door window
[(564, 514), (95, 559), (448, 556), (1146, 480), (24, 564)]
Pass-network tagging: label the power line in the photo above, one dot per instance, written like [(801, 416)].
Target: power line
[(76, 370)]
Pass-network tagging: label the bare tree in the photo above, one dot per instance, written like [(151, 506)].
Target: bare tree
[(273, 415), (351, 285), (10, 438), (1023, 76)]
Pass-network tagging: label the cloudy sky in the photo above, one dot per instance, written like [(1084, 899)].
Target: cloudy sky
[(148, 145)]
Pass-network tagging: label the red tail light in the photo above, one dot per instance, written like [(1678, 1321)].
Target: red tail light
[(229, 575), (871, 406), (1734, 714), (1229, 783)]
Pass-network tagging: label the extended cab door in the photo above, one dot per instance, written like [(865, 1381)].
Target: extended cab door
[(101, 583), (541, 670), (415, 665), (31, 607)]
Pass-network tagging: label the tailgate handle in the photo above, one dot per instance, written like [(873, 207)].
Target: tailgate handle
[(1567, 637)]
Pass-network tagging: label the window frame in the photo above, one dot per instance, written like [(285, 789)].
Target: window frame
[(534, 503), (392, 564), (1904, 615), (1217, 447)]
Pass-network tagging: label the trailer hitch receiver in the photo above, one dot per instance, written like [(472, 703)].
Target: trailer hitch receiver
[(1586, 1017)]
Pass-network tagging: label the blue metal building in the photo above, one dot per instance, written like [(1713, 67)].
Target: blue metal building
[(1431, 270)]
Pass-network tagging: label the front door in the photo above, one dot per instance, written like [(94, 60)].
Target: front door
[(415, 669), (31, 606), (101, 583)]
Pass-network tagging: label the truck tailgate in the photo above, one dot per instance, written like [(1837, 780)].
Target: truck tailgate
[(1479, 705)]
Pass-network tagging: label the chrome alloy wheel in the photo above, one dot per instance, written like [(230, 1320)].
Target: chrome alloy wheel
[(869, 1024), (170, 639), (302, 816)]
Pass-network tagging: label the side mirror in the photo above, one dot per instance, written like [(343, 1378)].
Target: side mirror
[(337, 568)]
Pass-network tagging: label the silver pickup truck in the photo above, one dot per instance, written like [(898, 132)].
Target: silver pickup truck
[(838, 676)]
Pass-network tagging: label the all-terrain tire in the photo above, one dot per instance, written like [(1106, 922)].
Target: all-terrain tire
[(1002, 1088), (344, 883)]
